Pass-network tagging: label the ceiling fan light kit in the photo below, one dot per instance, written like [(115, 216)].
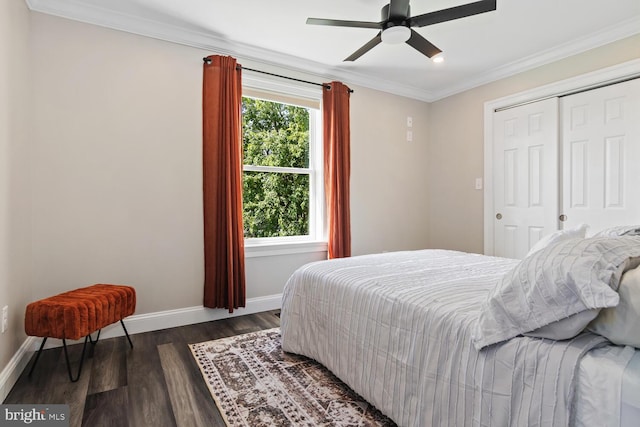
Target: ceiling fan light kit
[(396, 35), (396, 25)]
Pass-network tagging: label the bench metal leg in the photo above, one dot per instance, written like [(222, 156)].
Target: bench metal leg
[(126, 333), (84, 348), (66, 356), (97, 338), (44, 340)]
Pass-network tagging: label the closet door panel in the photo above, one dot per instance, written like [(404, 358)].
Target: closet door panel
[(525, 176), (601, 156)]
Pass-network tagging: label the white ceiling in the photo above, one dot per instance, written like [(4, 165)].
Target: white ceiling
[(519, 35)]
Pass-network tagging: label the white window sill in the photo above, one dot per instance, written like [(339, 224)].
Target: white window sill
[(253, 250)]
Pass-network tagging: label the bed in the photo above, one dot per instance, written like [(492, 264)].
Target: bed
[(415, 333)]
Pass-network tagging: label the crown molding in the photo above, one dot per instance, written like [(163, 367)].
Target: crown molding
[(83, 12), (605, 36), (78, 11)]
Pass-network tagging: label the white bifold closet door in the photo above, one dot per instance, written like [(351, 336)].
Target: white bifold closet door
[(601, 157), (526, 190)]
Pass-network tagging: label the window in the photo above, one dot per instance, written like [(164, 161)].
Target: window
[(282, 180)]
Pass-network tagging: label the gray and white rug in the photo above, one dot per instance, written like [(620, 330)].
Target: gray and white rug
[(254, 383)]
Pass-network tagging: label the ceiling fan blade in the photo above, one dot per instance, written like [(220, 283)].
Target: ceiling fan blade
[(452, 13), (398, 9), (366, 48), (340, 23), (422, 45)]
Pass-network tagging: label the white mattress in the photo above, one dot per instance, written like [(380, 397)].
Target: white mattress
[(599, 387), (630, 399), (608, 388)]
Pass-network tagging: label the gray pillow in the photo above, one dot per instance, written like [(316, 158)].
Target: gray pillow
[(621, 324), (556, 291), (618, 231)]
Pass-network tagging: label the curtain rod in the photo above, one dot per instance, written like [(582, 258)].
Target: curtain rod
[(240, 67)]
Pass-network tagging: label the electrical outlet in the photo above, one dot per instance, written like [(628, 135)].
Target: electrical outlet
[(5, 318)]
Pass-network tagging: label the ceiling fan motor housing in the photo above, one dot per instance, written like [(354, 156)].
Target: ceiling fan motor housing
[(393, 21)]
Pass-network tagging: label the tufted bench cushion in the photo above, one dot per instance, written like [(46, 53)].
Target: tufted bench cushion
[(78, 313)]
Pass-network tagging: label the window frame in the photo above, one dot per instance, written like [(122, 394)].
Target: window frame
[(288, 93)]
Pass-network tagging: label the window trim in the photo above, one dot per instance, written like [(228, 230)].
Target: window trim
[(284, 248), (276, 169), (316, 240)]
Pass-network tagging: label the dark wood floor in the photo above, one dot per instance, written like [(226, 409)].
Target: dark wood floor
[(157, 383)]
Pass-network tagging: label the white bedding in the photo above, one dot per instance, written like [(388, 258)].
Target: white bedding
[(397, 329)]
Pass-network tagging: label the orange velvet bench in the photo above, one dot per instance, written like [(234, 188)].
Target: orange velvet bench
[(79, 313)]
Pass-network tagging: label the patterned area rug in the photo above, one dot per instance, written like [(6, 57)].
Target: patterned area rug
[(254, 383)]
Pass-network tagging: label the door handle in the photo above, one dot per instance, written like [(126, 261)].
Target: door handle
[(498, 216), (562, 217)]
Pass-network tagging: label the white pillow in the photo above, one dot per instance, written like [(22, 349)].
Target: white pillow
[(577, 232), (556, 291), (566, 328), (621, 324)]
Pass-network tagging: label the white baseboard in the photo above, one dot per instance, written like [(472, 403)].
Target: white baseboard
[(14, 368), (136, 324)]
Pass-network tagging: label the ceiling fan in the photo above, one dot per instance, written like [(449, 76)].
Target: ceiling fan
[(396, 23)]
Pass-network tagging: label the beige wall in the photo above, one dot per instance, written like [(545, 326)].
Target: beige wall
[(116, 163), (14, 177), (117, 168), (456, 143), (389, 191)]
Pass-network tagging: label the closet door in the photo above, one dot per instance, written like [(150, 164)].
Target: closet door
[(525, 183), (601, 156)]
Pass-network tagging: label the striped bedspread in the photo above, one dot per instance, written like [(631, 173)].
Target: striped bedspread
[(396, 327)]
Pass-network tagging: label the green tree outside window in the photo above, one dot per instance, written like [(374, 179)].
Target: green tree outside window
[(276, 142)]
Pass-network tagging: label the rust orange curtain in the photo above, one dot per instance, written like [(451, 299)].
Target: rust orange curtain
[(224, 275), (337, 167)]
